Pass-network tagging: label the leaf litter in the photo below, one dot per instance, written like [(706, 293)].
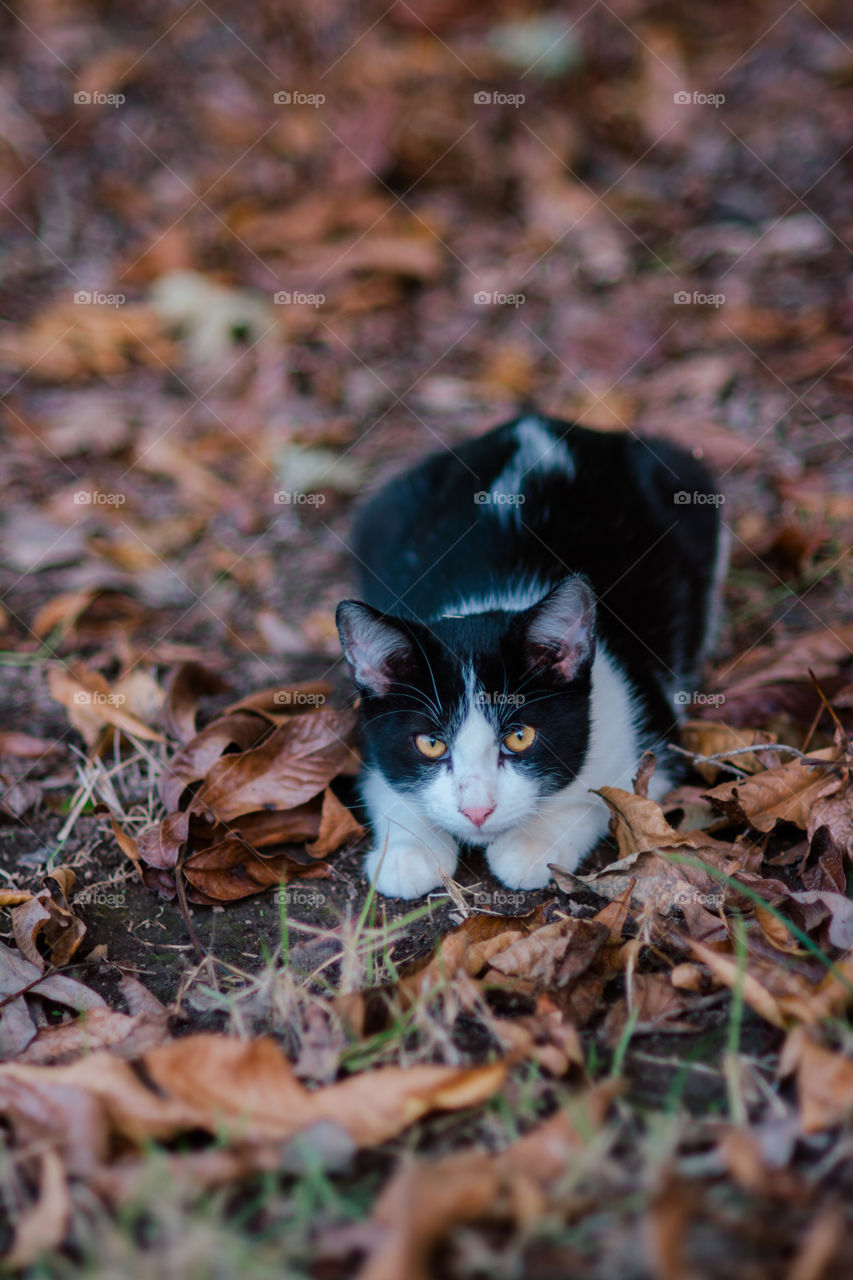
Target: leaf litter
[(629, 1073)]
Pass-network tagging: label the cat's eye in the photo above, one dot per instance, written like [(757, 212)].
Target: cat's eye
[(520, 739), (430, 746)]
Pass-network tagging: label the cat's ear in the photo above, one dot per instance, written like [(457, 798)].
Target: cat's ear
[(377, 649), (559, 631)]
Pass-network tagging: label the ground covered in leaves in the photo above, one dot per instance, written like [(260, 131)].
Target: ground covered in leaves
[(254, 259)]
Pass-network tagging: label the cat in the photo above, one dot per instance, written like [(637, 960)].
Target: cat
[(537, 606)]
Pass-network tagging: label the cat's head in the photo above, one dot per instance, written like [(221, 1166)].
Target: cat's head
[(479, 715)]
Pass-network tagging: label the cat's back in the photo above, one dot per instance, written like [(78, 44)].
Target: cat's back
[(533, 500)]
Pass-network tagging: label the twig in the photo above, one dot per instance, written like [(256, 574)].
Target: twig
[(185, 909), (722, 756)]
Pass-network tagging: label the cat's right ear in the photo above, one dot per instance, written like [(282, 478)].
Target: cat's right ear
[(378, 651)]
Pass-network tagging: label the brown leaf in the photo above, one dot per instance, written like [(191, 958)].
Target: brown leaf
[(190, 682), (69, 342), (554, 955), (230, 870), (127, 1036), (46, 918), (713, 737), (338, 826), (725, 970), (835, 813), (786, 793), (161, 844), (824, 1081), (126, 843), (249, 1088), (426, 1199), (638, 824), (192, 763), (43, 1225), (821, 651), (467, 949), (62, 610), (91, 704), (298, 759)]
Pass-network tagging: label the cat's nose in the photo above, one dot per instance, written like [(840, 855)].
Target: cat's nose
[(477, 814)]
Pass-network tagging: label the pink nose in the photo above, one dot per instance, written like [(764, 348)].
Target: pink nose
[(478, 814)]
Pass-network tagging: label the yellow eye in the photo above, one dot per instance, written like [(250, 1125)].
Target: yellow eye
[(520, 739), (430, 746)]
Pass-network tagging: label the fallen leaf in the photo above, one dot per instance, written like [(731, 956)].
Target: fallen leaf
[(42, 1226), (786, 793)]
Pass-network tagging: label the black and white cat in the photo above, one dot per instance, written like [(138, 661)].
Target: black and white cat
[(538, 604)]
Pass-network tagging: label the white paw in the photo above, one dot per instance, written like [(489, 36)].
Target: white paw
[(521, 862), (407, 871)]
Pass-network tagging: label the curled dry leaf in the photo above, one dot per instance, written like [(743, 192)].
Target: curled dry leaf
[(92, 704), (296, 761), (245, 1091), (638, 824), (468, 949), (234, 733), (188, 684), (556, 954), (43, 1225), (824, 1081), (47, 919), (426, 1199), (20, 983), (230, 870), (786, 793)]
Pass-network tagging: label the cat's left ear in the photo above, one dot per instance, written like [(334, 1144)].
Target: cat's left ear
[(377, 648), (560, 630)]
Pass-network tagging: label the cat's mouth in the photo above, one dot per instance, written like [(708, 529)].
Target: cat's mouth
[(471, 833)]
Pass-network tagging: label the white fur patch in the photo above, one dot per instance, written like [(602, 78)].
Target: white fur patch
[(567, 824), (512, 599), (408, 854), (538, 450)]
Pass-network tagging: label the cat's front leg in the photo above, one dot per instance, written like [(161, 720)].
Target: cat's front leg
[(408, 853), (563, 833)]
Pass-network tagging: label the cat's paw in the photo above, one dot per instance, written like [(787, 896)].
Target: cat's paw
[(521, 862), (408, 871)]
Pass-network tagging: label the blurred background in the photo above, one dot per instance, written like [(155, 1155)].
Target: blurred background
[(255, 257)]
